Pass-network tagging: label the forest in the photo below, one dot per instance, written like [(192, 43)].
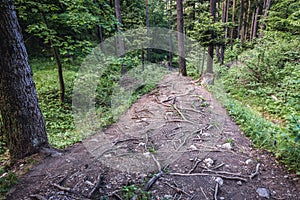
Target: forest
[(249, 60)]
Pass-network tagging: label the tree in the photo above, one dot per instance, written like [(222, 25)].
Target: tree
[(120, 39), (171, 36), (147, 26), (181, 47), (210, 51), (23, 123)]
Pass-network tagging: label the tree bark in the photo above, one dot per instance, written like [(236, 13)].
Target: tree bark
[(180, 29), (267, 5), (120, 39), (240, 21), (255, 23), (170, 64), (23, 122), (147, 26), (233, 20), (210, 51)]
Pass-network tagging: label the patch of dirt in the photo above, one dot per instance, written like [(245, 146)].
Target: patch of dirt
[(176, 142)]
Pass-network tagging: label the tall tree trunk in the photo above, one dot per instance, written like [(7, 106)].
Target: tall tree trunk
[(23, 122), (267, 5), (224, 20), (251, 28), (246, 27), (120, 39), (147, 26), (210, 51), (240, 21), (58, 62), (232, 20), (180, 29), (170, 64), (255, 23)]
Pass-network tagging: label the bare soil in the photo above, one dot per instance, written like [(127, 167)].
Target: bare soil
[(178, 134)]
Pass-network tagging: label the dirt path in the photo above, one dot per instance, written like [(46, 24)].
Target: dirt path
[(178, 134)]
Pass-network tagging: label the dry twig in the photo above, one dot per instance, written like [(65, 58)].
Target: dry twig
[(216, 191), (195, 165), (256, 172), (177, 189), (204, 174)]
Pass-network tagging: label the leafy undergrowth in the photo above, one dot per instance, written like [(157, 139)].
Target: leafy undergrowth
[(60, 124), (263, 96)]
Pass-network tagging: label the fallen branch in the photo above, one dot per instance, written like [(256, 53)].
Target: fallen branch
[(204, 174), (204, 193), (216, 191), (96, 187), (256, 172), (195, 165), (177, 189), (179, 112), (153, 180), (67, 189), (116, 195), (223, 172)]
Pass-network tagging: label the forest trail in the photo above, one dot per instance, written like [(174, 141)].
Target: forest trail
[(179, 134)]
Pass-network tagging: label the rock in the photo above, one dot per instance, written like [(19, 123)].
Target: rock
[(286, 176), (208, 162), (219, 181), (263, 192), (168, 197), (222, 198), (193, 147), (249, 161), (227, 146), (147, 154), (239, 183), (206, 134)]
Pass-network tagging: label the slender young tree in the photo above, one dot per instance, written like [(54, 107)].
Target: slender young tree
[(267, 5), (171, 35), (180, 30), (23, 123), (58, 62), (240, 20), (233, 21), (147, 26), (210, 51), (255, 22)]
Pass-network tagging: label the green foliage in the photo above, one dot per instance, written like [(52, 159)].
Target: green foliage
[(69, 25), (285, 16), (268, 83), (7, 181), (132, 191)]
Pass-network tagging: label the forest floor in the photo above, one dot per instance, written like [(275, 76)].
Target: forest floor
[(176, 142)]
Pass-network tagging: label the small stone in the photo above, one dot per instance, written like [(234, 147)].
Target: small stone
[(208, 162), (147, 154), (227, 146), (168, 197), (286, 176), (206, 134), (239, 183), (193, 147), (263, 192), (248, 161), (219, 181), (295, 179), (222, 198)]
